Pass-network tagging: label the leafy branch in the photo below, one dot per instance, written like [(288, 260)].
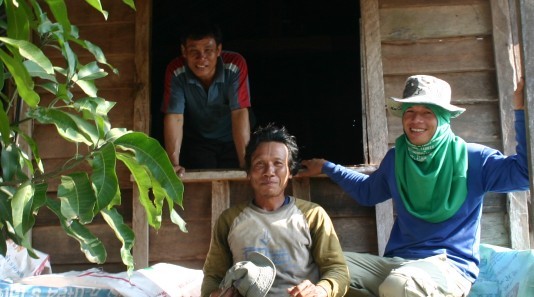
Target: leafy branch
[(26, 74)]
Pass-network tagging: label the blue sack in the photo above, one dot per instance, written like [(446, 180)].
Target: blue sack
[(504, 272)]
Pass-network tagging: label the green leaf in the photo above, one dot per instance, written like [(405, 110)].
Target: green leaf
[(88, 87), (21, 204), (96, 4), (31, 52), (18, 25), (77, 197), (144, 183), (94, 105), (91, 71), (69, 126), (149, 153), (35, 70), (123, 233), (34, 148), (175, 217), (90, 245), (59, 10), (104, 177), (2, 76), (23, 219), (5, 132), (22, 79), (3, 245), (12, 160), (72, 59), (130, 3), (97, 53)]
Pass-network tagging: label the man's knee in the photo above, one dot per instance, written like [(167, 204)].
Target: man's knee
[(401, 285)]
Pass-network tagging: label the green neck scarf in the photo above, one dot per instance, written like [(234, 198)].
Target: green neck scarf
[(432, 178)]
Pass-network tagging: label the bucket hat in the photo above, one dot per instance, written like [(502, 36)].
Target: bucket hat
[(252, 278), (425, 89)]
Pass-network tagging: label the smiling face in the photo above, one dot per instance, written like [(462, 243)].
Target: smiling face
[(201, 57), (269, 172), (419, 124)]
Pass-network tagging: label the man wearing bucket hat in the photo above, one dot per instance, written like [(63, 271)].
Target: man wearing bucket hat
[(437, 183), (297, 235)]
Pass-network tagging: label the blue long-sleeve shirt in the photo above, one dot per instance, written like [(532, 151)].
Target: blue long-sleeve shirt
[(458, 237)]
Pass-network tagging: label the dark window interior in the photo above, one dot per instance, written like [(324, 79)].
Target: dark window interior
[(303, 59)]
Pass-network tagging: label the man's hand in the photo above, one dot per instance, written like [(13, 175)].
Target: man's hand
[(307, 289), (179, 170), (519, 99), (311, 167)]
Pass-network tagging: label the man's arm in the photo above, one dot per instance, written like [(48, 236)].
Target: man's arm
[(173, 134), (328, 255), (240, 133)]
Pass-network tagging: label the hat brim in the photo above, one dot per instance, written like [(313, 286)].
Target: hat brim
[(268, 270), (395, 105)]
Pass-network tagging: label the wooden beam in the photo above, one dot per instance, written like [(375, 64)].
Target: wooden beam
[(377, 135), (140, 227), (503, 43), (220, 199), (141, 122), (526, 12)]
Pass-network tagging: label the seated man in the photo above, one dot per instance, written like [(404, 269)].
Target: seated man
[(297, 235), (206, 103)]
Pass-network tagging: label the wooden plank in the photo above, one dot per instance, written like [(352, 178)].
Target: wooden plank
[(140, 250), (374, 101), (420, 22), (493, 230), (526, 11), (301, 188), (194, 175), (426, 3), (63, 249), (357, 234), (503, 44), (438, 55), (220, 199), (169, 244)]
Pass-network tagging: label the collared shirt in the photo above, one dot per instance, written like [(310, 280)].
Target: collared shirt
[(207, 113)]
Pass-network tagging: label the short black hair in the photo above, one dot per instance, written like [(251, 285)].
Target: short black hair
[(273, 133), (201, 29)]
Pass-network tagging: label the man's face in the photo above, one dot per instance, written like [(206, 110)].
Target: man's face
[(269, 170), (201, 57), (419, 124)]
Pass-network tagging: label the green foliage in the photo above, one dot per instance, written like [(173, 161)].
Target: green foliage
[(26, 73)]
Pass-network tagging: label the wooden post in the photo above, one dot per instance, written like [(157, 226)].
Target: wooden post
[(377, 131), (504, 30), (141, 122), (526, 12), (220, 199)]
